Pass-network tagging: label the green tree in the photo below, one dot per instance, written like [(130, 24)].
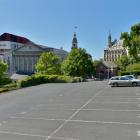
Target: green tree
[(133, 67), (132, 41), (3, 68), (123, 62), (49, 63), (95, 64), (78, 63)]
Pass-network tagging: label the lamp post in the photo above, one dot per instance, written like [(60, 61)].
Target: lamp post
[(108, 70)]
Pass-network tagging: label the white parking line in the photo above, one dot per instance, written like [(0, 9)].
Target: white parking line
[(116, 102), (77, 111), (22, 134), (31, 118), (111, 110), (30, 135), (22, 113), (84, 121), (103, 122), (117, 96), (63, 138), (138, 133)]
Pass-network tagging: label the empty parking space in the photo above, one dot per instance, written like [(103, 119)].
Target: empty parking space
[(91, 111)]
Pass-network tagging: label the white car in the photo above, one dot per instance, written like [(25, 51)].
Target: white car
[(123, 81)]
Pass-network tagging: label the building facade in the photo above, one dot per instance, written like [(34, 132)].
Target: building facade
[(8, 43), (114, 50), (26, 57), (21, 54), (105, 70)]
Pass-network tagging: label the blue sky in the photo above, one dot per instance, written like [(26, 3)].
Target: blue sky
[(52, 22)]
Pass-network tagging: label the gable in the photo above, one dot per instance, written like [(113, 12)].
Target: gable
[(30, 48), (101, 66)]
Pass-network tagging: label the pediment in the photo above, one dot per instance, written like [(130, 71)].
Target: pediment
[(29, 48)]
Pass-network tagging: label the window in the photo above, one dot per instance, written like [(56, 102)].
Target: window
[(123, 78), (115, 78)]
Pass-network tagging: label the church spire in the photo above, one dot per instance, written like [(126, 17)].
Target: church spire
[(74, 41), (109, 40)]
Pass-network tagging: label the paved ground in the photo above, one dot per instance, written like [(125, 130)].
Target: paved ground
[(83, 111)]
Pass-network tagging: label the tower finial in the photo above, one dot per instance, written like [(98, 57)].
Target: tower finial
[(75, 27), (109, 40)]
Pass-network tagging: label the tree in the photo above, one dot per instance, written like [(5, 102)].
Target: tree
[(3, 68), (123, 62), (132, 41), (78, 63), (133, 67), (95, 64), (49, 63)]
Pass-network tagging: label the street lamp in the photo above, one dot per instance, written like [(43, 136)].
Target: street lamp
[(108, 70)]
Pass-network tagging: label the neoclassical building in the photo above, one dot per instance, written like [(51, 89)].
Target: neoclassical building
[(26, 57), (114, 50), (21, 54), (8, 43)]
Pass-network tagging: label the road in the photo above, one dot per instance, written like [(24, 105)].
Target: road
[(77, 111)]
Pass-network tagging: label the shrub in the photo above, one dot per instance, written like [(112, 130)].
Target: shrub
[(5, 80), (8, 87), (40, 79), (134, 72)]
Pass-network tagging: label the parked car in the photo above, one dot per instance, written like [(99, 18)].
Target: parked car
[(123, 81)]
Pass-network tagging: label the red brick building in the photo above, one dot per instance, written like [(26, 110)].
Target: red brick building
[(105, 70)]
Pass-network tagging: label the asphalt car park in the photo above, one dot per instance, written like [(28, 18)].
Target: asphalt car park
[(78, 111)]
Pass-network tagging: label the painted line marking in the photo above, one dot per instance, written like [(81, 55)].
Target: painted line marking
[(111, 110), (115, 102), (22, 113), (3, 121), (31, 135), (138, 133), (30, 118), (62, 138), (84, 121), (22, 134), (103, 122), (117, 96), (78, 110)]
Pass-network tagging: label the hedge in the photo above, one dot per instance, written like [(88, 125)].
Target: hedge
[(5, 81), (134, 72), (41, 79), (8, 87)]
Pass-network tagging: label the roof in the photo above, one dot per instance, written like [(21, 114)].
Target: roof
[(109, 64), (13, 38)]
